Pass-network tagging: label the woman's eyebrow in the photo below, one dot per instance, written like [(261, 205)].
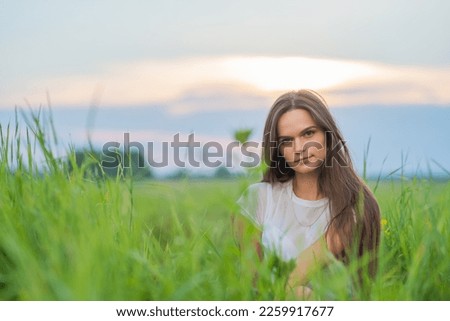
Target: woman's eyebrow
[(301, 133)]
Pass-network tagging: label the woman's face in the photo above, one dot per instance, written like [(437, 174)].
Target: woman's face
[(301, 141)]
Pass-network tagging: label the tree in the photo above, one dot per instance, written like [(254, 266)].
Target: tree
[(222, 172), (95, 164)]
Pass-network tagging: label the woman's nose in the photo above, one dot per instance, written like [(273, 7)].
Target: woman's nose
[(298, 145)]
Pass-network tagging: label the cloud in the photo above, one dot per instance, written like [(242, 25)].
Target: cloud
[(234, 82), (218, 97), (395, 85), (132, 83)]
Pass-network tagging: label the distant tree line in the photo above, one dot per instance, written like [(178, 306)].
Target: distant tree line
[(96, 165)]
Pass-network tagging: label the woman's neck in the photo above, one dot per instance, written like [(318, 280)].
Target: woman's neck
[(306, 186)]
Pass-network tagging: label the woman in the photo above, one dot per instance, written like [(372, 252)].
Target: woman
[(310, 202)]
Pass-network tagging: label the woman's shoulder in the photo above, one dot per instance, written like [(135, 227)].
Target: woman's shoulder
[(259, 185), (258, 188), (276, 186), (281, 187), (268, 189)]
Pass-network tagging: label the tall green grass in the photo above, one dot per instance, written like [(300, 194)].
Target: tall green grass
[(65, 236)]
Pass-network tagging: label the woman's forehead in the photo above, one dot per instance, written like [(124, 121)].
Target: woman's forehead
[(294, 121)]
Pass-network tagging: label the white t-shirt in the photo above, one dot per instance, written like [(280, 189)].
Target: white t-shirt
[(288, 223)]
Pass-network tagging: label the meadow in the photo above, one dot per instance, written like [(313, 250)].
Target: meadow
[(67, 236)]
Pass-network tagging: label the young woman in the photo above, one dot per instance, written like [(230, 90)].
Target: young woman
[(310, 202)]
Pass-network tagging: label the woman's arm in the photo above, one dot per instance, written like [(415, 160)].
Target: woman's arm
[(314, 257)]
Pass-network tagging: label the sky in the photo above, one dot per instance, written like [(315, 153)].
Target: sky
[(195, 63)]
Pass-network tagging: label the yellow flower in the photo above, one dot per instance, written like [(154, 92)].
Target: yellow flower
[(384, 226)]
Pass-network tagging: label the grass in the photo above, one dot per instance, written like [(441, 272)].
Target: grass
[(64, 236)]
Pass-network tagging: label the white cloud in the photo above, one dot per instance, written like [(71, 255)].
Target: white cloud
[(395, 85), (222, 83)]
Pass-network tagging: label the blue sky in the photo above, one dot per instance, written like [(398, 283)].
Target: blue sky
[(214, 66)]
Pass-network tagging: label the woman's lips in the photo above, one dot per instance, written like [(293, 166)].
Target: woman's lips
[(300, 159), (307, 159)]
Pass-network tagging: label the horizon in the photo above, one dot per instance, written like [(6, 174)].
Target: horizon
[(418, 144)]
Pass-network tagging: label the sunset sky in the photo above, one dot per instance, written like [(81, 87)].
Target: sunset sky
[(192, 58)]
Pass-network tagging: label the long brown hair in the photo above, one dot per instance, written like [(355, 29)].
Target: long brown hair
[(355, 215)]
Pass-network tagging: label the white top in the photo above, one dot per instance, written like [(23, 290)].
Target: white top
[(288, 223)]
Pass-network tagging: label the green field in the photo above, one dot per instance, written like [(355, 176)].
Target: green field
[(65, 236)]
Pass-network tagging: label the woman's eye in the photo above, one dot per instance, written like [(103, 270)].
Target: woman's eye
[(286, 142), (309, 133)]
